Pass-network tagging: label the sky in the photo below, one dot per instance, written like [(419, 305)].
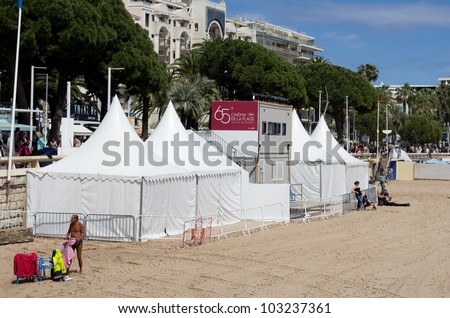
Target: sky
[(408, 41)]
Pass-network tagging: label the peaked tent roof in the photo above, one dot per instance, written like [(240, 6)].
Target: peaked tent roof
[(323, 135), (399, 154), (113, 151), (192, 153), (303, 146)]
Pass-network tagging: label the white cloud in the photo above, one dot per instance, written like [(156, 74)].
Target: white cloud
[(377, 15), (351, 37)]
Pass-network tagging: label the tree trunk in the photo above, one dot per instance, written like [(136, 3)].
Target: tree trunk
[(340, 124), (104, 108), (145, 110), (57, 104)]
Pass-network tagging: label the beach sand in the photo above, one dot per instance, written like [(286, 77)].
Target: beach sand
[(389, 252)]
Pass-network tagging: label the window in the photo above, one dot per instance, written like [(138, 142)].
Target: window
[(147, 20), (277, 171), (174, 23), (153, 18), (264, 128), (272, 128), (196, 27)]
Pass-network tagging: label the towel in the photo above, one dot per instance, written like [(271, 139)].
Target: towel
[(67, 251), (26, 265)]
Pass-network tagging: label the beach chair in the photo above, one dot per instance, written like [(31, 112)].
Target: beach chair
[(26, 266), (43, 264)]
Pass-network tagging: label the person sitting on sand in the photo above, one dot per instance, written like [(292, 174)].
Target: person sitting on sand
[(384, 199)]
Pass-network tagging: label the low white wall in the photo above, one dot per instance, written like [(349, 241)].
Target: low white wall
[(265, 201), (432, 171)]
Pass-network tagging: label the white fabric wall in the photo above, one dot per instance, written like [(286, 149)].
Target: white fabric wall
[(219, 196), (46, 194), (166, 205), (356, 173), (81, 195), (333, 180), (109, 197), (308, 176), (268, 202)]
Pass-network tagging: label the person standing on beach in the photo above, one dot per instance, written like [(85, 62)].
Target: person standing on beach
[(76, 231), (358, 193)]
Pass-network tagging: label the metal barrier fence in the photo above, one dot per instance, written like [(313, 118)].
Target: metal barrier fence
[(110, 227), (326, 207), (125, 227), (97, 226), (53, 224)]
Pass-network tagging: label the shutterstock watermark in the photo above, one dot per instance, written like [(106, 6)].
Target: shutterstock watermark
[(192, 152)]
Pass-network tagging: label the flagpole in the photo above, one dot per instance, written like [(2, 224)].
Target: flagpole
[(13, 110)]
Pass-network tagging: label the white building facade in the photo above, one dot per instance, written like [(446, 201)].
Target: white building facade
[(175, 26), (293, 46)]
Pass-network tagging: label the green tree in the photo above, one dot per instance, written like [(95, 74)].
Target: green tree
[(319, 60), (426, 102), (192, 97), (419, 129), (369, 72), (76, 38), (405, 95), (244, 68), (339, 82)]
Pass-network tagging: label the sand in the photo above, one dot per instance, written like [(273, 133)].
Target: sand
[(390, 252)]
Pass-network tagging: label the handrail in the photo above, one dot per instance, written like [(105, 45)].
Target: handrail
[(31, 161), (228, 150)]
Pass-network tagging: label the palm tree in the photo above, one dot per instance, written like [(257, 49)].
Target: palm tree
[(405, 95), (369, 72), (192, 97), (319, 60), (385, 95), (443, 96)]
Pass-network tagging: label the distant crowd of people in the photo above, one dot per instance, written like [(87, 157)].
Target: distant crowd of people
[(372, 148), (24, 147)]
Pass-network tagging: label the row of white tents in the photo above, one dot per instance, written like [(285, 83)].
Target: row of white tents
[(173, 177), (324, 169), (176, 176)]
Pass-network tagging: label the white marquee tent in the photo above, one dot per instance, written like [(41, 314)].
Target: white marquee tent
[(103, 177), (115, 176), (356, 170), (217, 183), (313, 175)]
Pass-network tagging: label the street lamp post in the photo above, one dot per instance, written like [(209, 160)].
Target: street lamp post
[(378, 135), (320, 102), (32, 101), (109, 82), (347, 126), (45, 107), (387, 131)]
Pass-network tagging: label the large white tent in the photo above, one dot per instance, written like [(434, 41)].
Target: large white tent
[(217, 182), (103, 177), (356, 170), (123, 185), (312, 174)]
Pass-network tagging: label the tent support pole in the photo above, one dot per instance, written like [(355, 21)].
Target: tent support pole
[(196, 196), (140, 210), (321, 178)]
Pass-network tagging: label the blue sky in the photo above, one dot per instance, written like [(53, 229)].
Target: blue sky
[(408, 41)]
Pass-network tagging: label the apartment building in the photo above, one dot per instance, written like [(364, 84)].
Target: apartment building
[(176, 25), (293, 46)]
